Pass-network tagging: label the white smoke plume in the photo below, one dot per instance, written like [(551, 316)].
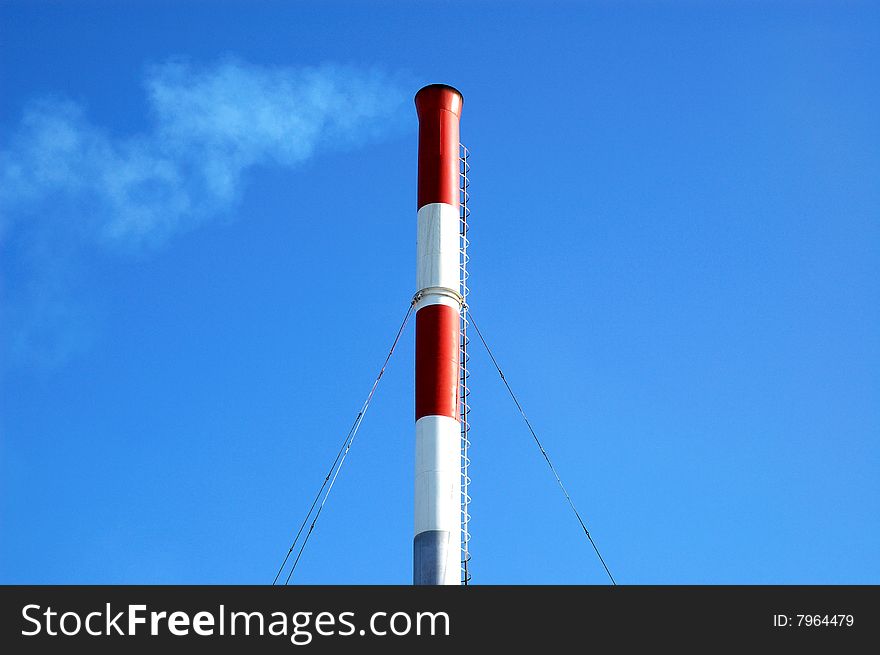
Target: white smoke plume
[(64, 177), (210, 126)]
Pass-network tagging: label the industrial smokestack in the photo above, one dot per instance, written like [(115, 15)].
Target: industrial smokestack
[(437, 542)]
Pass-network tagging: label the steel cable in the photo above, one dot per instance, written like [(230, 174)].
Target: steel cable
[(340, 460), (541, 448)]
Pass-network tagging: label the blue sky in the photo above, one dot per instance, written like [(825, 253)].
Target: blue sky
[(207, 242)]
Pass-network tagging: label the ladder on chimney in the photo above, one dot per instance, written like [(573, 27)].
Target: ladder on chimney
[(464, 392)]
